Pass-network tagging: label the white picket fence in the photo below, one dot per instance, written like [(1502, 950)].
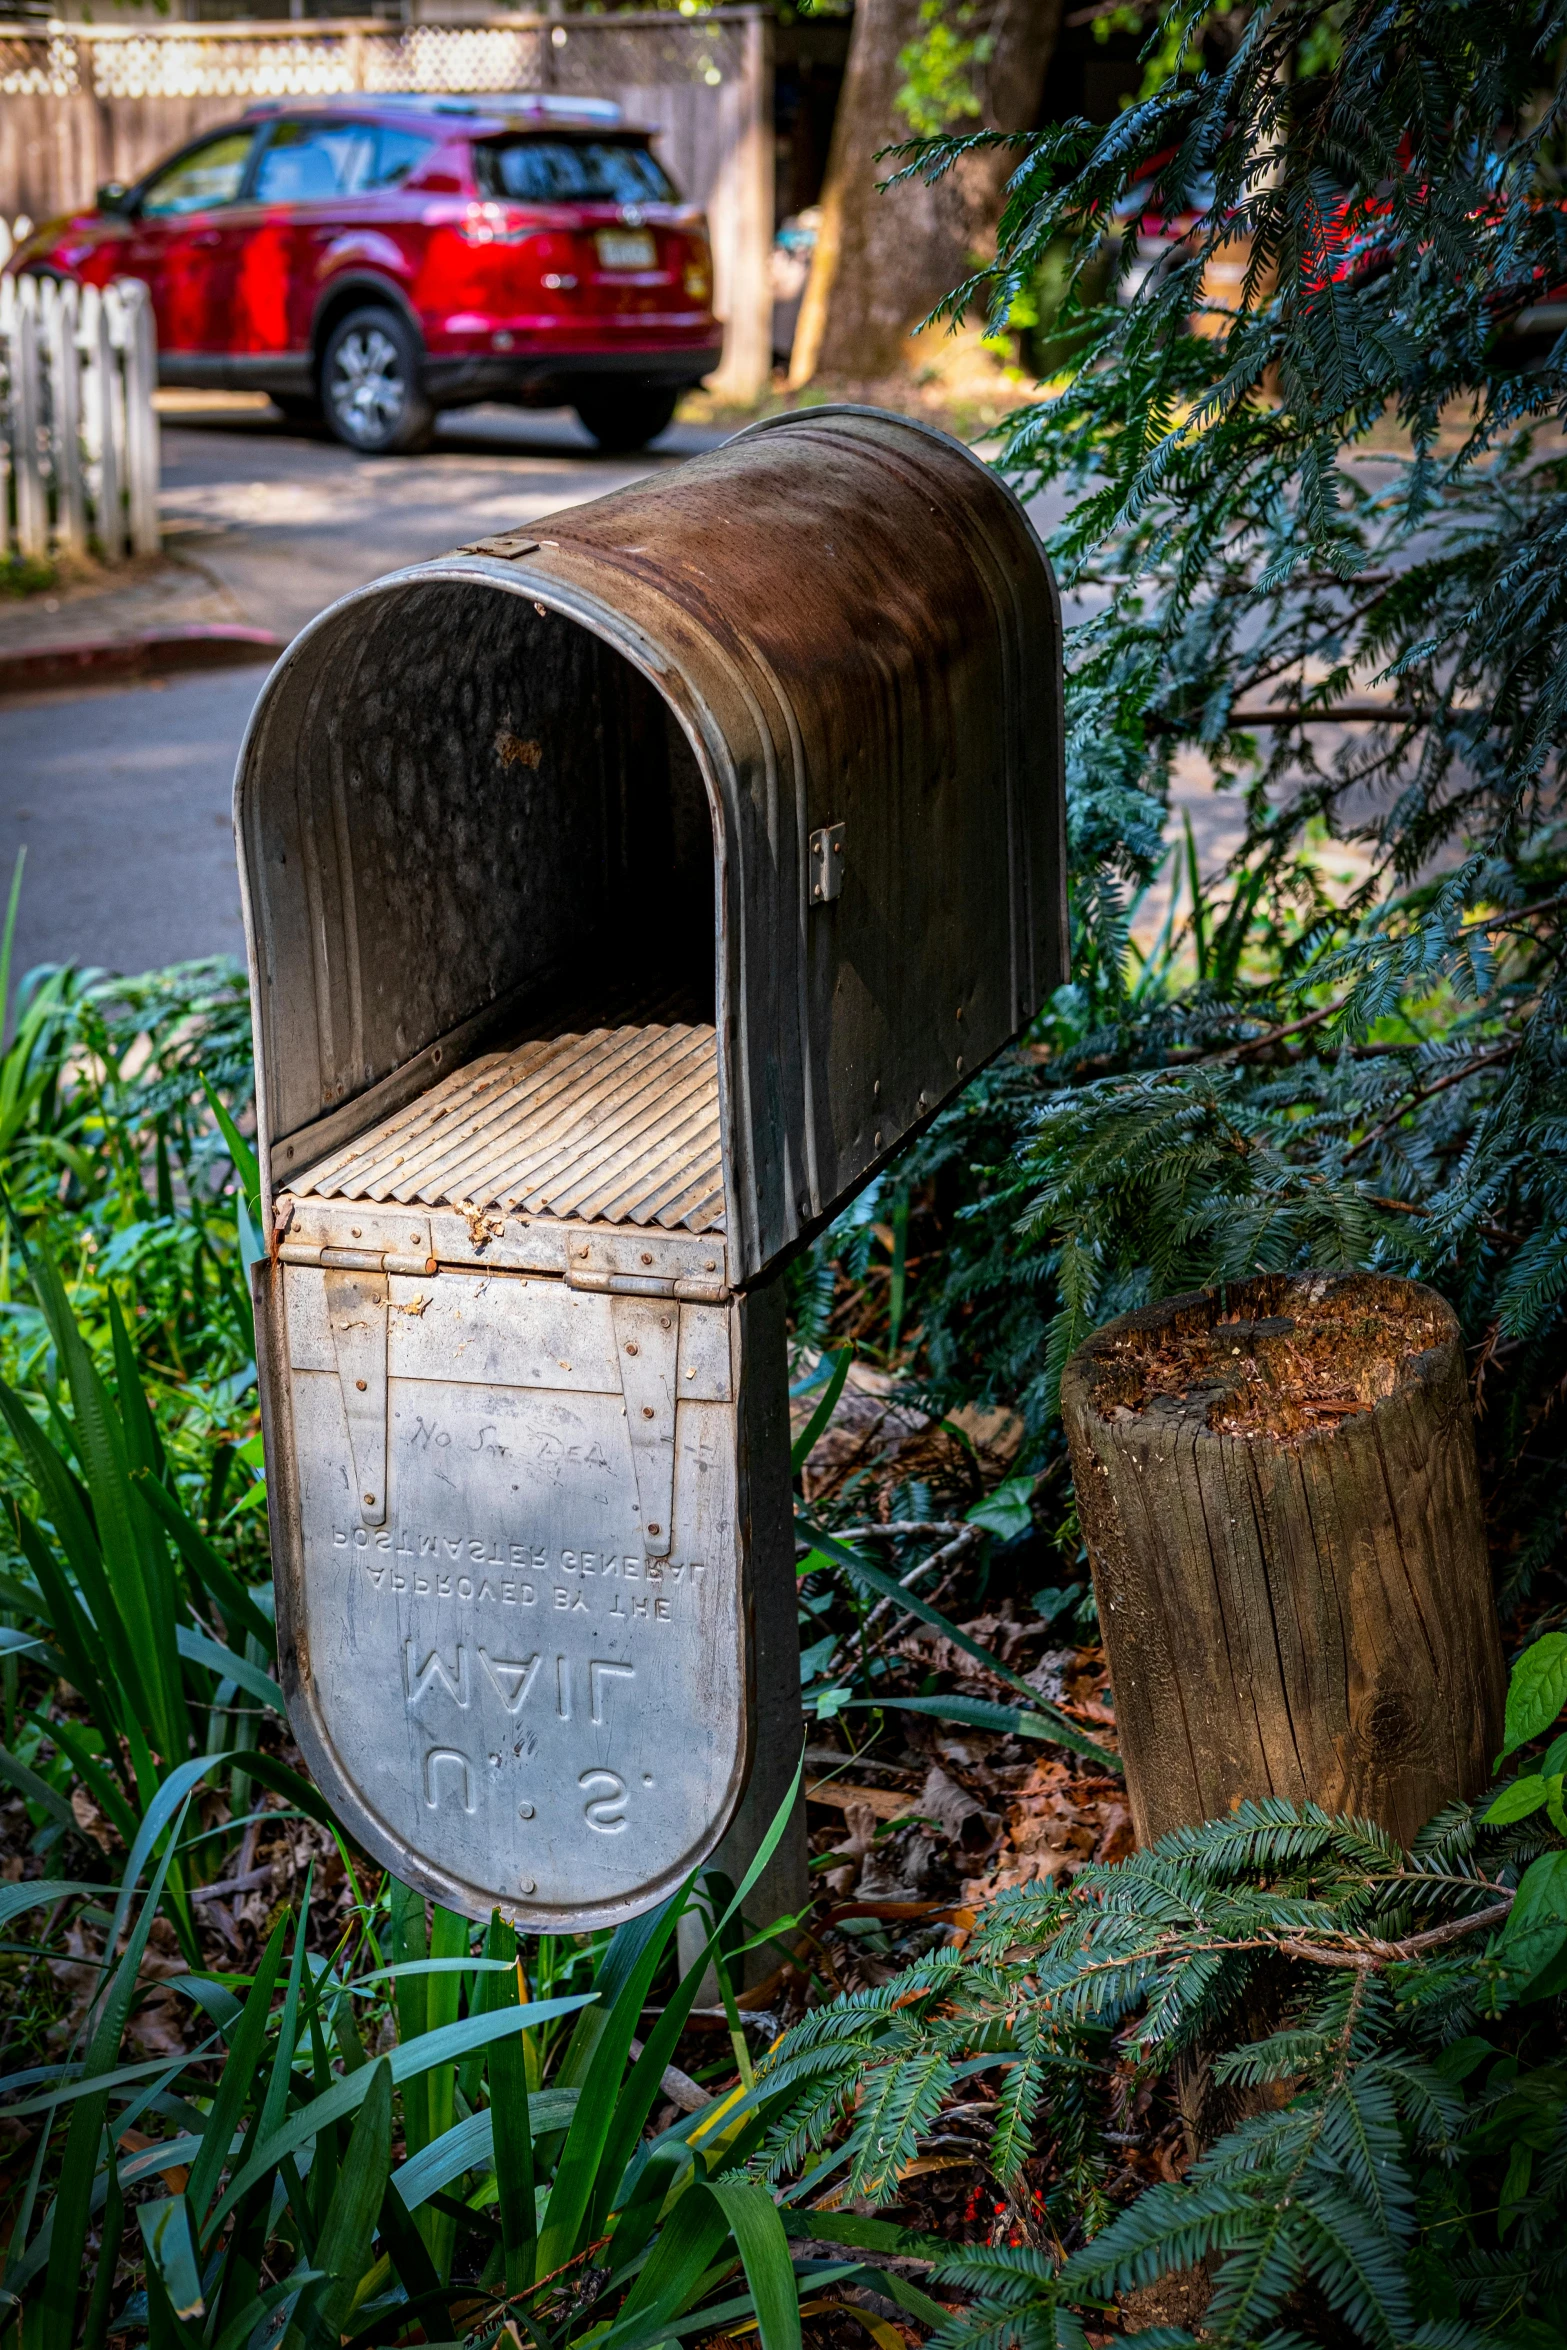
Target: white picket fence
[(78, 431)]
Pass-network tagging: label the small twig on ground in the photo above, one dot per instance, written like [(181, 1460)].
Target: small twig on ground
[(894, 1529)]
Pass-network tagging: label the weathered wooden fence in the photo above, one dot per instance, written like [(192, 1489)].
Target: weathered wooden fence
[(80, 104), (78, 433)]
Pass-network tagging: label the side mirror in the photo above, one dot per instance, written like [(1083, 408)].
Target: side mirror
[(113, 196)]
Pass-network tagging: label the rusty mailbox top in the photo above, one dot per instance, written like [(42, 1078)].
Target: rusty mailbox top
[(807, 687)]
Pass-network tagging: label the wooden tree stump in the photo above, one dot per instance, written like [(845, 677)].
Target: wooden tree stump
[(1280, 1500)]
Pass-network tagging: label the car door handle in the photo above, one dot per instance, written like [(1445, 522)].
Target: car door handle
[(208, 236)]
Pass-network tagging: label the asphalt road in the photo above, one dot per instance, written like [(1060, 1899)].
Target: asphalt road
[(121, 795)]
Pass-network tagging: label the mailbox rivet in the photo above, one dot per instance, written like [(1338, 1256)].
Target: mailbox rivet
[(525, 1811), (416, 1237), (647, 1778), (691, 1374), (354, 1230), (582, 1252), (646, 1258), (631, 1346), (369, 1501), (525, 1884), (655, 1529), (359, 1383), (666, 1321), (711, 1266), (647, 1411)]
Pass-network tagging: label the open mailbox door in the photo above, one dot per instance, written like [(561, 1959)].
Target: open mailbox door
[(619, 898)]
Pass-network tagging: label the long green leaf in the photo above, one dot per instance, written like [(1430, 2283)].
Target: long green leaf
[(134, 1558), (223, 1586), (687, 2245), (889, 1588), (470, 2144), (347, 2238), (409, 2062), (713, 2314), (764, 2250), (267, 1771), (448, 1939), (805, 1443), (88, 1668), (65, 1508), (91, 2084), (636, 2099), (99, 1783), (35, 1790), (582, 2164), (238, 2080), (170, 1796), (983, 1713), (14, 1899), (73, 2198), (514, 2117), (237, 2334), (197, 1649), (165, 2229), (246, 1164)]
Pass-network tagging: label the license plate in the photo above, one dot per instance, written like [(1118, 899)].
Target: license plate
[(626, 249)]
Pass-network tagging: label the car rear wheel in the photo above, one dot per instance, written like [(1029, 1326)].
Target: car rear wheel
[(624, 416), (372, 385)]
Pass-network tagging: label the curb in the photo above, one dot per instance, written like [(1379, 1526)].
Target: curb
[(213, 644)]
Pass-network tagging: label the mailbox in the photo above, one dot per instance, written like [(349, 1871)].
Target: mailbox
[(620, 893)]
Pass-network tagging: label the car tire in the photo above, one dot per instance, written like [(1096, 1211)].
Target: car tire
[(622, 417), (372, 384), (301, 408)]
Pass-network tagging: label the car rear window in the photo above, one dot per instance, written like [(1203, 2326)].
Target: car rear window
[(571, 171)]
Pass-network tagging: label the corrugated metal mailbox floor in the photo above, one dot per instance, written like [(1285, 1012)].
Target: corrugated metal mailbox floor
[(619, 1125)]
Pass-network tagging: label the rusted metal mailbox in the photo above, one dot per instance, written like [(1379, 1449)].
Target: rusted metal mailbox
[(620, 893)]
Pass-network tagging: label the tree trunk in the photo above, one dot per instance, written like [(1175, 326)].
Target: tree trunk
[(1282, 1511), (883, 261)]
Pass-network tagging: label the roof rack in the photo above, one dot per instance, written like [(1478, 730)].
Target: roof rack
[(536, 105)]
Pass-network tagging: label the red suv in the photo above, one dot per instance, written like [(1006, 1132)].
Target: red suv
[(372, 260)]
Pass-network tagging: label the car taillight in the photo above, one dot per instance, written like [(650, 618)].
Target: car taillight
[(494, 224), (699, 270)]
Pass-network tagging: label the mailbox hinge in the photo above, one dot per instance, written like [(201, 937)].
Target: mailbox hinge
[(358, 1260), (356, 1317), (618, 1263), (647, 1347)]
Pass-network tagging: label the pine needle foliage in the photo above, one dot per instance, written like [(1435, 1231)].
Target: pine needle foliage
[(1348, 2057), (1333, 481)]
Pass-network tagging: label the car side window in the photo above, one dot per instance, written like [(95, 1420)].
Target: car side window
[(207, 176), (398, 155), (309, 162)]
